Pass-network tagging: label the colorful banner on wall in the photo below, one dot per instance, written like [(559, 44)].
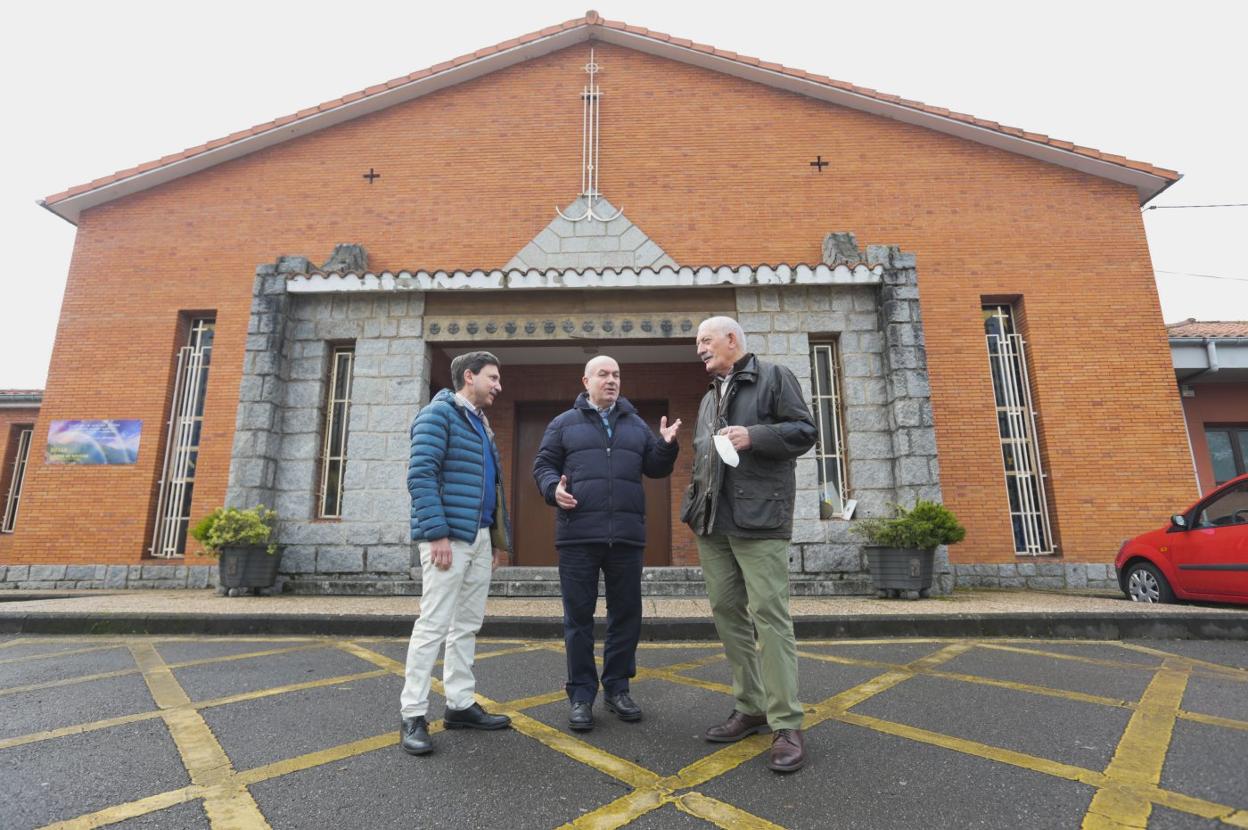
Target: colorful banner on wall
[(93, 442)]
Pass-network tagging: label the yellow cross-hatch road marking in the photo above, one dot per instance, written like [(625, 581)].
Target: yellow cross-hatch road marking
[(1125, 790), (1140, 753)]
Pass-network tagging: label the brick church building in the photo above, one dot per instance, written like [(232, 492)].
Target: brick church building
[(969, 306)]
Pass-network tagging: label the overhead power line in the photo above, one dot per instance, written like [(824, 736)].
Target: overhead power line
[(1205, 276), (1185, 207)]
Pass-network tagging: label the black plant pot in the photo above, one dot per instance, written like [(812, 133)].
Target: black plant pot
[(901, 569), (248, 566)]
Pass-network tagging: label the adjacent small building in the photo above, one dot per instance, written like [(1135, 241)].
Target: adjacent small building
[(1211, 367)]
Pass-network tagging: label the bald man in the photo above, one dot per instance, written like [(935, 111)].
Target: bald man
[(589, 467)]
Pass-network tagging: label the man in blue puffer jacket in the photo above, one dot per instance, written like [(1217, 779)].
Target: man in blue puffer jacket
[(460, 524), (590, 466)]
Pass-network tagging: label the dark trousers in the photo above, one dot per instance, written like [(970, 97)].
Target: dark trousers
[(579, 567)]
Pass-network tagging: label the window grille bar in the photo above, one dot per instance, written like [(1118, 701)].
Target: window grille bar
[(331, 488), (1020, 451), (15, 485), (182, 445), (826, 387)]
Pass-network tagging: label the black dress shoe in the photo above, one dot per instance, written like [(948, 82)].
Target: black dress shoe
[(474, 717), (623, 706), (414, 736), (581, 718)]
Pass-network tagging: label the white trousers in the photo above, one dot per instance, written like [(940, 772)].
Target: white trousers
[(452, 607)]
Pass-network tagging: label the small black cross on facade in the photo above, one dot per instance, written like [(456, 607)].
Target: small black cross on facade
[(370, 175), (819, 163)]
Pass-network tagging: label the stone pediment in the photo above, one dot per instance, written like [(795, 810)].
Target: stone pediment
[(590, 243)]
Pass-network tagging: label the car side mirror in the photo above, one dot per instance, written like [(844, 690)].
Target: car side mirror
[(1178, 522)]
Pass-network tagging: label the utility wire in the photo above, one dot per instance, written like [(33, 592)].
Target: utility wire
[(1206, 276), (1181, 207)]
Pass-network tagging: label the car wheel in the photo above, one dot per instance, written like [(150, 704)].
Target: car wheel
[(1144, 583)]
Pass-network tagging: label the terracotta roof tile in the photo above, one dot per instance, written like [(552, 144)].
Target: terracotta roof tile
[(592, 18), (1191, 327)]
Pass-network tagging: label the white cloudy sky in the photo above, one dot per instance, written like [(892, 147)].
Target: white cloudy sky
[(90, 88)]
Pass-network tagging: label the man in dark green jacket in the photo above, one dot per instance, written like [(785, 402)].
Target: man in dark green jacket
[(740, 507)]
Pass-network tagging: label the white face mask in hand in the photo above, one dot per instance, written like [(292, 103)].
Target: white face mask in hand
[(726, 451)]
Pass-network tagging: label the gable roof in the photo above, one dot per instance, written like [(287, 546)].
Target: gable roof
[(69, 204)]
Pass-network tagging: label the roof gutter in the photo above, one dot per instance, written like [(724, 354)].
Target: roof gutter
[(21, 401)]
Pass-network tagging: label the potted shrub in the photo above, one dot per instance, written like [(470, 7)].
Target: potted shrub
[(243, 539), (901, 550)]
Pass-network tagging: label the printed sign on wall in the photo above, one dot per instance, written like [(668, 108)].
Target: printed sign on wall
[(93, 442)]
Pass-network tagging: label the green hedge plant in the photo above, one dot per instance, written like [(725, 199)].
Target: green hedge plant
[(229, 527), (925, 526)]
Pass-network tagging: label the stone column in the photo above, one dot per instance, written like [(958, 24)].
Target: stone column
[(257, 430)]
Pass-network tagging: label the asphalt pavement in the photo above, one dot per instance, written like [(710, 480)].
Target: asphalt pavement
[(195, 731)]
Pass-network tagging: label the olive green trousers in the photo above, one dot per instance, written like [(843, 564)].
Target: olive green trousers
[(747, 582)]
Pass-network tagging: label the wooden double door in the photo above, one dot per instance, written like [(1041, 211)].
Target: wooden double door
[(533, 521)]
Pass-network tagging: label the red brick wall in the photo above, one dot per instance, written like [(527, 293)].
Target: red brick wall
[(1213, 403), (715, 170)]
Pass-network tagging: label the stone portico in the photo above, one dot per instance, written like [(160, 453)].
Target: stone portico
[(866, 301)]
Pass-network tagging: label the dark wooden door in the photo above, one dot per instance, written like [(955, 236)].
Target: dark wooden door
[(533, 521)]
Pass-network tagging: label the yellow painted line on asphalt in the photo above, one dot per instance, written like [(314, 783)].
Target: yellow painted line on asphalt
[(131, 809), (520, 704), (720, 813), (1031, 688), (1099, 662), (591, 756), (229, 805), (1233, 672), (259, 694), (68, 681), (1214, 720), (90, 678), (682, 679), (888, 641), (629, 807), (618, 813), (94, 726), (12, 642), (77, 729), (230, 658), (44, 655), (326, 756), (1141, 753)]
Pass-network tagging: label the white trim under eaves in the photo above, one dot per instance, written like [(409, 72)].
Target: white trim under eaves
[(643, 278), (1146, 184)]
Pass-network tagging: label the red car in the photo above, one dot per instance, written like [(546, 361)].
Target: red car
[(1201, 555)]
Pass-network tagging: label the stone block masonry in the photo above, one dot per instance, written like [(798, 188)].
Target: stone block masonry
[(280, 465)]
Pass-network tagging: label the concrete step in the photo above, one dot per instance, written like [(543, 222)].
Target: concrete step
[(544, 582)]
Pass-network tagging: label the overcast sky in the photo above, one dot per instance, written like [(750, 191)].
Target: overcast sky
[(90, 88)]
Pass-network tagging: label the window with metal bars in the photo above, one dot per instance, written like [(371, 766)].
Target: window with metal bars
[(334, 444), (184, 427), (1016, 424), (20, 456), (826, 404)]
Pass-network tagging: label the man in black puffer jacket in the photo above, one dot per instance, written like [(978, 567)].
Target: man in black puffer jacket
[(590, 466)]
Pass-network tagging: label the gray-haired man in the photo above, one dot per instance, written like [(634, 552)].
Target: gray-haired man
[(742, 516)]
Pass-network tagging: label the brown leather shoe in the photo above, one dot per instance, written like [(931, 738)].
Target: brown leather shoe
[(737, 726), (788, 751)]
